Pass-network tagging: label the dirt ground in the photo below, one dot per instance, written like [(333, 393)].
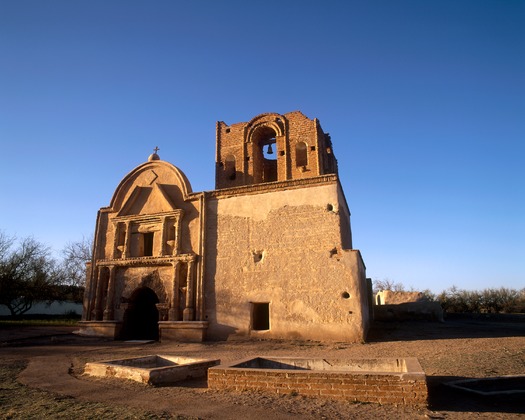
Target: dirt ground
[(41, 370)]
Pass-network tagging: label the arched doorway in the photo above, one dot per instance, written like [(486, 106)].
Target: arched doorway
[(142, 316)]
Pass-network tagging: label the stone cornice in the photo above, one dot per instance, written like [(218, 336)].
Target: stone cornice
[(146, 261), (273, 186), (148, 217)]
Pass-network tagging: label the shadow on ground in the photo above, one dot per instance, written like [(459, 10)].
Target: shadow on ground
[(455, 326), (444, 398)]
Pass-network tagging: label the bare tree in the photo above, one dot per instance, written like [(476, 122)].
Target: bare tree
[(27, 274), (75, 256), (387, 284)]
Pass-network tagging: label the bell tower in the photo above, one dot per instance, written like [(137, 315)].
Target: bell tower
[(271, 148)]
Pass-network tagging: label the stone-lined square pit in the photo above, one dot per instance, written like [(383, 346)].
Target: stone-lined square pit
[(384, 380), (152, 369)]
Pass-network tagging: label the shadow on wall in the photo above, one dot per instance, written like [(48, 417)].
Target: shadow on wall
[(216, 331), (424, 311)]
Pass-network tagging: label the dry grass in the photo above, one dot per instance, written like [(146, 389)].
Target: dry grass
[(20, 402)]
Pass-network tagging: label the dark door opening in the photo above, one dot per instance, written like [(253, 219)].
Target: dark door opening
[(142, 316), (260, 316)]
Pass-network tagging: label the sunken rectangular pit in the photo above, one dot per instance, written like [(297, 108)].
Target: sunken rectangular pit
[(497, 386), (153, 369), (384, 380)]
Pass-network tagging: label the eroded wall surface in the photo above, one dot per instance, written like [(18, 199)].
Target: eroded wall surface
[(284, 248), (268, 253)]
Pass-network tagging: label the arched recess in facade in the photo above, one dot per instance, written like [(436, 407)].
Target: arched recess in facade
[(260, 132), (141, 316)]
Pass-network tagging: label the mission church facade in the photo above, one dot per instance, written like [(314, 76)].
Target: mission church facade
[(268, 253)]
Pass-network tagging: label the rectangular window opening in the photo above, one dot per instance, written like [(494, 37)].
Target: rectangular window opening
[(260, 316), (148, 244)]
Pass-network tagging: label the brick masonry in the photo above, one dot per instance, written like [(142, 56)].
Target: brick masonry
[(268, 253), (382, 388)]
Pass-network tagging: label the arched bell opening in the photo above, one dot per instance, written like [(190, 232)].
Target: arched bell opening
[(265, 152)]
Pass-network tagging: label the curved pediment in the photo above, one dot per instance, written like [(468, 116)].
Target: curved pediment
[(149, 200), (153, 187)]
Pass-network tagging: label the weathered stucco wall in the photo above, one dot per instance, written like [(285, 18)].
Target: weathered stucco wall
[(268, 253), (284, 248)]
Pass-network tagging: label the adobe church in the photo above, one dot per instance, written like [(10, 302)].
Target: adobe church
[(266, 254)]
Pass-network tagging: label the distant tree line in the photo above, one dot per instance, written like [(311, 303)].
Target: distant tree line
[(29, 273), (456, 300)]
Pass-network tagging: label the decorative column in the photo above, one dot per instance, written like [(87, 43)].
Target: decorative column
[(188, 312), (87, 302), (110, 307), (163, 236), (118, 227), (98, 296), (125, 252), (173, 310), (176, 237)]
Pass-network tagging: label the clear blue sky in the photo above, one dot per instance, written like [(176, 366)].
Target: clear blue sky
[(424, 100)]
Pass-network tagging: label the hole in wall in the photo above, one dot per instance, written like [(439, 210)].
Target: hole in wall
[(257, 256), (345, 295), (227, 130), (330, 207), (333, 252)]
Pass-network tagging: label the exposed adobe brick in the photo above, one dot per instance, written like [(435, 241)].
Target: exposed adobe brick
[(257, 372), (348, 387), (243, 143), (320, 386), (332, 392), (377, 388)]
